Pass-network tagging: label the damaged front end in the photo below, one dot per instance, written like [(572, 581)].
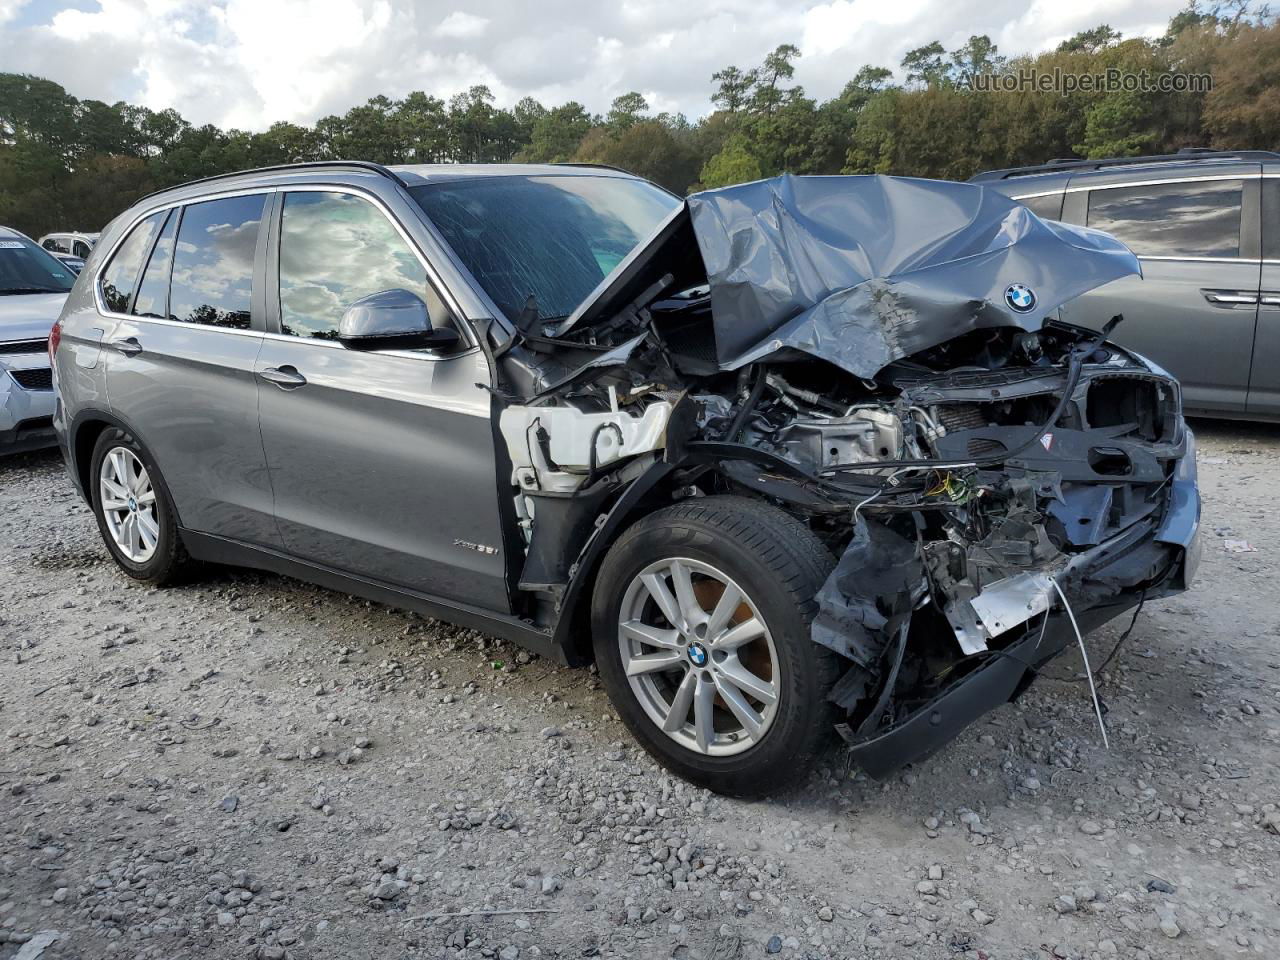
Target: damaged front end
[(878, 357)]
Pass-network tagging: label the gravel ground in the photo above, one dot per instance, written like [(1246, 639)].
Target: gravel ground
[(251, 767)]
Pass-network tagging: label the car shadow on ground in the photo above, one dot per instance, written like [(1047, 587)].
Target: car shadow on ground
[(36, 459)]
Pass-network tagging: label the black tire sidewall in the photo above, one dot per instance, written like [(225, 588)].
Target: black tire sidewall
[(803, 721), (164, 561)]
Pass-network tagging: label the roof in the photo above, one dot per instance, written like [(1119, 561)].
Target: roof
[(406, 175), (10, 232)]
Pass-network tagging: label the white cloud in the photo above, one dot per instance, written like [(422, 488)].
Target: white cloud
[(10, 9), (460, 24), (249, 63)]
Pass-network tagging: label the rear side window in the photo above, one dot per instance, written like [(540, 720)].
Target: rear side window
[(153, 292), (213, 262), (1196, 219), (80, 249), (334, 249), (121, 274), (1048, 208)]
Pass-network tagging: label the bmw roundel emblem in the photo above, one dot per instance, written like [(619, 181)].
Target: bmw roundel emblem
[(1020, 297), (698, 654)]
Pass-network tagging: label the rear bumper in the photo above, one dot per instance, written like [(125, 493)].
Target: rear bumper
[(1156, 560)]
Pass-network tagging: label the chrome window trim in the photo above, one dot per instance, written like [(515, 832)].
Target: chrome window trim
[(445, 294), (1163, 182), (100, 304), (1031, 196), (1146, 183), (333, 344), (1249, 260), (184, 325)]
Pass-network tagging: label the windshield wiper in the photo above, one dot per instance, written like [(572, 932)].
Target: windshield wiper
[(8, 290)]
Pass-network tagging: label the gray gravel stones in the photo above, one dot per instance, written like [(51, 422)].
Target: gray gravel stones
[(427, 792)]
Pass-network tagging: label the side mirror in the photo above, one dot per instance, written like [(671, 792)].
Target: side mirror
[(391, 320)]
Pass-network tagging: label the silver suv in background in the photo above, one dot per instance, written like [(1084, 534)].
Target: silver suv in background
[(33, 287), (790, 458), (1206, 226)]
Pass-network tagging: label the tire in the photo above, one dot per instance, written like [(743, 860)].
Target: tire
[(778, 565), (162, 556)]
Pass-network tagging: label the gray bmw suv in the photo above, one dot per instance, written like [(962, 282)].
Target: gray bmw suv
[(799, 456)]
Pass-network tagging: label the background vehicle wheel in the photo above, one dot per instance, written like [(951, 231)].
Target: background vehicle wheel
[(134, 511), (700, 623)]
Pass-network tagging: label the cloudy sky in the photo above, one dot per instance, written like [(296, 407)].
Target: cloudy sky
[(249, 63)]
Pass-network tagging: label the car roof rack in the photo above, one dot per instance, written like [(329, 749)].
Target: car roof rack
[(1185, 155), (598, 166), (306, 165)]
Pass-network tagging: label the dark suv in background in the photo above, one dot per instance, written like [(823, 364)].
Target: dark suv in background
[(1206, 226)]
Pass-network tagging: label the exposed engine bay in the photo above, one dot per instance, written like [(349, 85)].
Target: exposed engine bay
[(973, 490)]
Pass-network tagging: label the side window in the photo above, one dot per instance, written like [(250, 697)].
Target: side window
[(1048, 208), (334, 249), (50, 244), (80, 249), (121, 274), (1196, 219), (153, 292), (213, 262)]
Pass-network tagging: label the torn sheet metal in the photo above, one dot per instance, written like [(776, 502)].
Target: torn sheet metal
[(1011, 602), (863, 271), (874, 585)]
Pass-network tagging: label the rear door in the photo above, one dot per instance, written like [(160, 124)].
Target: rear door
[(185, 291), (1194, 310), (1264, 381), (382, 463)]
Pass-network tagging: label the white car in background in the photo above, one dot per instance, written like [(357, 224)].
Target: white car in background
[(33, 286), (76, 243)]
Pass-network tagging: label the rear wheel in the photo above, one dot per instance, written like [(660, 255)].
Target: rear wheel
[(134, 512), (701, 631)]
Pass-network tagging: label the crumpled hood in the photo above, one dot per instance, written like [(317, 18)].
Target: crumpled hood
[(862, 271), (29, 316)]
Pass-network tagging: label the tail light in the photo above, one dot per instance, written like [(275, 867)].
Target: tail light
[(55, 338)]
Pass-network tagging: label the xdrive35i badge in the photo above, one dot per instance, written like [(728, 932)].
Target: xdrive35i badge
[(477, 547)]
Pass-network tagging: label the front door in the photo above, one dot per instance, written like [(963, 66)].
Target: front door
[(382, 463)]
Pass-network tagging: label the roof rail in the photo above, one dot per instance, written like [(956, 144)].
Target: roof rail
[(1185, 155), (306, 165), (598, 166)]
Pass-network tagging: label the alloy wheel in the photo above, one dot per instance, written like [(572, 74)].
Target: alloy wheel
[(698, 656), (128, 502)]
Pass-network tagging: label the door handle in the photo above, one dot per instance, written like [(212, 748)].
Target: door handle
[(1229, 298), (1269, 299), (129, 346), (286, 377)]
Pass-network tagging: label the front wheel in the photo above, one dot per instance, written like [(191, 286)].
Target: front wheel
[(700, 624)]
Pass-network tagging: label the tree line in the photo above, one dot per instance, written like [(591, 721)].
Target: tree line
[(67, 163)]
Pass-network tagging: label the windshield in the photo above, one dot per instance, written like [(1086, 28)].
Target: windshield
[(553, 237), (25, 268)]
